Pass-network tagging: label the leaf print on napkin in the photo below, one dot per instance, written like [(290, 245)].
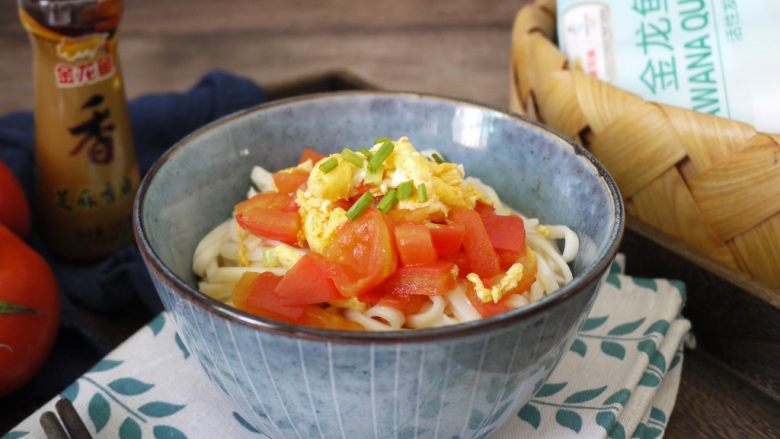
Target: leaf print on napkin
[(157, 324), (129, 429), (182, 347), (613, 349), (71, 392), (584, 395), (579, 347), (550, 389), (644, 282), (159, 409), (647, 346), (626, 328), (530, 414), (243, 422), (167, 432), (569, 419), (129, 386), (593, 323), (619, 397), (14, 435), (99, 411), (606, 419), (659, 327)]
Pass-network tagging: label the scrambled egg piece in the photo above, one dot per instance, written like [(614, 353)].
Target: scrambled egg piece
[(507, 283), (444, 185), (336, 184), (287, 255)]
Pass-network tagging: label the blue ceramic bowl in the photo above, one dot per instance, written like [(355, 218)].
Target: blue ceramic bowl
[(294, 382)]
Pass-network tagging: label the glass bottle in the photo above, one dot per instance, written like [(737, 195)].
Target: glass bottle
[(86, 169)]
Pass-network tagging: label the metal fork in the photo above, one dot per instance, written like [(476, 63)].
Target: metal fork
[(71, 420)]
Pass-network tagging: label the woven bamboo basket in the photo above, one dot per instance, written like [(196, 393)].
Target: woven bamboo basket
[(710, 182)]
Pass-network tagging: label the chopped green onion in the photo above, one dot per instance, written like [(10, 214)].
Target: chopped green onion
[(381, 140), (422, 195), (366, 152), (360, 206), (375, 177), (352, 157), (405, 190), (387, 202), (329, 165), (380, 155), (437, 158)]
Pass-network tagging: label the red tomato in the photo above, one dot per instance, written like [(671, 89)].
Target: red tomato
[(484, 309), (460, 260), (528, 259), (480, 254), (308, 282), (507, 258), (400, 216), (271, 224), (289, 182), (364, 253), (447, 238), (29, 311), (411, 304), (506, 232), (14, 211), (310, 154), (268, 200), (316, 317), (257, 292), (430, 280), (414, 244)]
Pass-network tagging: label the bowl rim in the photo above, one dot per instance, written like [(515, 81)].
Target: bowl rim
[(592, 273)]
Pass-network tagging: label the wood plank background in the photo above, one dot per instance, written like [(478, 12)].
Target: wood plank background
[(455, 47)]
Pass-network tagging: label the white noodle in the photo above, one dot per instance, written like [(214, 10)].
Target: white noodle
[(460, 306), (219, 255), (430, 316)]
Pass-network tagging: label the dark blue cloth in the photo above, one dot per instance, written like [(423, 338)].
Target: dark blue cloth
[(120, 280)]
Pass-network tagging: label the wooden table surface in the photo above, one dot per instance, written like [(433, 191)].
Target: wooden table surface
[(457, 47)]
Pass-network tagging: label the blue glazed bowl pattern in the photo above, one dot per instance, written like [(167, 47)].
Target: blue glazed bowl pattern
[(293, 382)]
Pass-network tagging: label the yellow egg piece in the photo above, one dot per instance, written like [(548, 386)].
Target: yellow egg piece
[(333, 185)]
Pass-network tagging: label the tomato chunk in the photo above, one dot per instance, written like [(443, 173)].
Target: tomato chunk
[(400, 216), (364, 253), (447, 238), (528, 259), (411, 304), (481, 256), (254, 293), (460, 260), (506, 232), (271, 224), (507, 258), (268, 200), (316, 317), (308, 282), (289, 182), (310, 154), (430, 280), (488, 309), (414, 244)]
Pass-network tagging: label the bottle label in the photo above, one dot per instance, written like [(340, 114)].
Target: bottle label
[(87, 172), (714, 56)]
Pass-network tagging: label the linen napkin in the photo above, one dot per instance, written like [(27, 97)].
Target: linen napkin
[(619, 379)]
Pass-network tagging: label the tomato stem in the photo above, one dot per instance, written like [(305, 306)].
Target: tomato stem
[(13, 308)]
